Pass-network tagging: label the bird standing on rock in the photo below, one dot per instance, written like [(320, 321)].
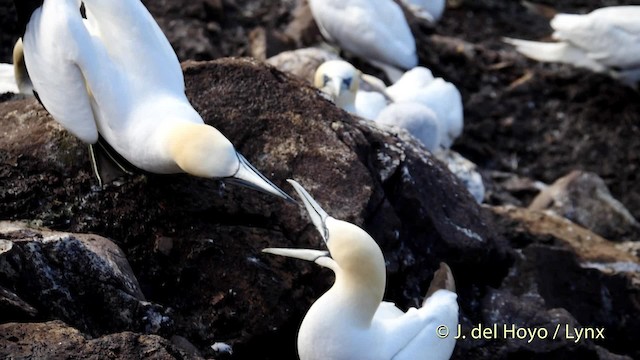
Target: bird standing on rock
[(373, 30), (114, 76), (350, 321), (607, 40)]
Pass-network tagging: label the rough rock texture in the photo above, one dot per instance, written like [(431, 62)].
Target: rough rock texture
[(565, 274), (56, 340), (584, 198), (82, 279)]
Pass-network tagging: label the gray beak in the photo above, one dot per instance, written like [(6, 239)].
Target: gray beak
[(318, 216), (250, 177)]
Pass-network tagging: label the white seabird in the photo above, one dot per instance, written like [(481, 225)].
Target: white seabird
[(607, 40), (373, 30), (116, 76), (350, 321), (340, 80)]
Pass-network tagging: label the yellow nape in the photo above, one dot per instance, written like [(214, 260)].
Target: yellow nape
[(201, 150)]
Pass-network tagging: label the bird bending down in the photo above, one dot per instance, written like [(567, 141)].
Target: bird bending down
[(607, 40), (350, 321), (115, 76), (373, 30)]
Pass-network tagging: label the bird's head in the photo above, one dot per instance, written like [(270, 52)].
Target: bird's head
[(340, 80), (202, 150), (354, 255)]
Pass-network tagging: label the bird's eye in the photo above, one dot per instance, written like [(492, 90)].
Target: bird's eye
[(325, 79), (347, 82)]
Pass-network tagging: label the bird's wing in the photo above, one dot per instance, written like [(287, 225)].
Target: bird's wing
[(135, 42), (415, 333), (58, 51), (610, 36), (563, 52), (371, 29)]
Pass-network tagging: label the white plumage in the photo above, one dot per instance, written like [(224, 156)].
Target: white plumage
[(350, 321), (115, 74), (419, 120), (418, 85), (374, 30), (605, 40), (7, 79)]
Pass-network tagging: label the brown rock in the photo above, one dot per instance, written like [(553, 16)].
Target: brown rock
[(55, 339), (585, 199)]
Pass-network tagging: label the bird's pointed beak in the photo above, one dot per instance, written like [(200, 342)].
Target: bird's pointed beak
[(303, 254), (250, 177), (337, 88), (316, 213)]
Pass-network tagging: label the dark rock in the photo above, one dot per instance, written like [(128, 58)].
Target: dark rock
[(56, 340), (585, 199), (82, 279), (561, 265)]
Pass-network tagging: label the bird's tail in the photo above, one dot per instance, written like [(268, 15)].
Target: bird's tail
[(442, 279), (554, 52)]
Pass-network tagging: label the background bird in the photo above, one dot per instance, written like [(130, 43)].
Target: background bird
[(373, 30), (606, 40)]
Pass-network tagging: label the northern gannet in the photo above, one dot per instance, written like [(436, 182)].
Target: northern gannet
[(115, 76), (350, 321), (373, 30), (341, 82), (606, 40)]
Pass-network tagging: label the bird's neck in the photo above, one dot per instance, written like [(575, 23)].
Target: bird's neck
[(360, 296)]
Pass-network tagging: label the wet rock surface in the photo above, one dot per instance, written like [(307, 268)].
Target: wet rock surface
[(194, 244)]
